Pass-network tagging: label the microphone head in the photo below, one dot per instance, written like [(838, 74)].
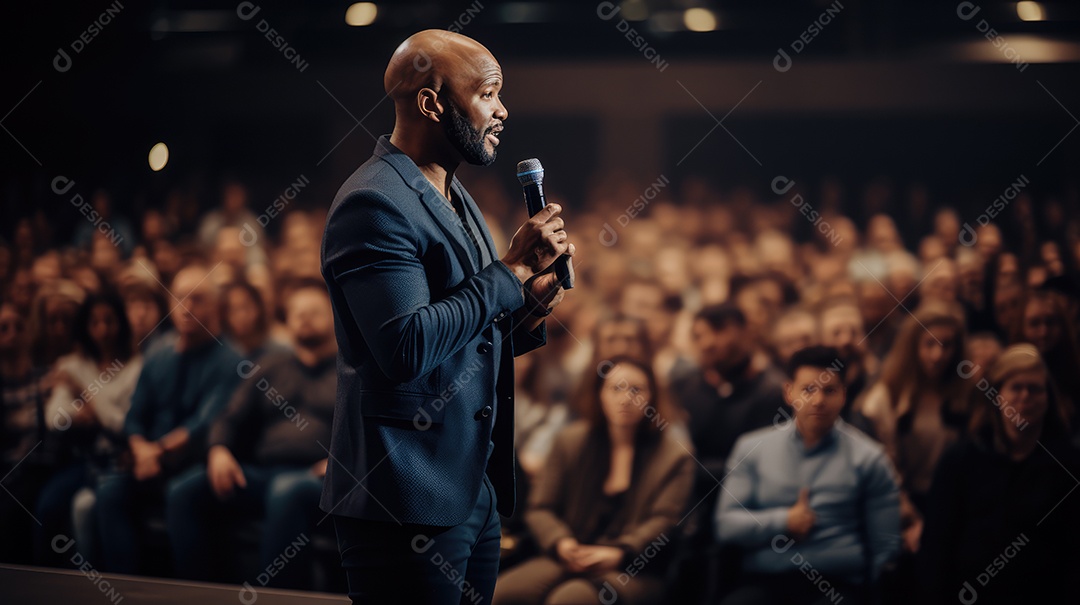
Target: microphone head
[(530, 171)]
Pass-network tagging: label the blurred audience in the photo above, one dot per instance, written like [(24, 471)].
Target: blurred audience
[(181, 389), (266, 456), (709, 290)]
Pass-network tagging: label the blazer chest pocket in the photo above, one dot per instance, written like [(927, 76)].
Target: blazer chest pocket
[(419, 409)]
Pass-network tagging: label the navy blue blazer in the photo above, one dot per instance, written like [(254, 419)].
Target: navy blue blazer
[(418, 323)]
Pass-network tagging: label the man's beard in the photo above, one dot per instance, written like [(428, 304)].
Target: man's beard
[(467, 140)]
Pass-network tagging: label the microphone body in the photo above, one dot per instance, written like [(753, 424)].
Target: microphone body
[(530, 174)]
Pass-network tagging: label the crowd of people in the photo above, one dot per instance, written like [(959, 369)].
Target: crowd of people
[(735, 404)]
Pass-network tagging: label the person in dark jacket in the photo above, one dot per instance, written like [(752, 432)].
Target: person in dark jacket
[(1001, 522), (266, 455)]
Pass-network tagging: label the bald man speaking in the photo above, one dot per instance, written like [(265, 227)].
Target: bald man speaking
[(428, 320)]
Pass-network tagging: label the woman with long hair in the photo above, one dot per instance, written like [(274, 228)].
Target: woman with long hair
[(86, 411), (1044, 323), (917, 407), (614, 487), (246, 320), (1000, 522)]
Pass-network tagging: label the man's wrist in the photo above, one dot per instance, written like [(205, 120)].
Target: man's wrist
[(520, 271)]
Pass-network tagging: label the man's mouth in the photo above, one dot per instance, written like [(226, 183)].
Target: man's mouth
[(493, 134)]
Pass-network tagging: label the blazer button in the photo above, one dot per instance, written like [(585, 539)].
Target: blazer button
[(486, 411), (484, 348)]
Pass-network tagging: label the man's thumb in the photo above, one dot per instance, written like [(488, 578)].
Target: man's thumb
[(804, 496)]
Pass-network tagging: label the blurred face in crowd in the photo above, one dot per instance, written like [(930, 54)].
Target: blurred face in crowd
[(233, 198), (722, 349), (12, 329), (646, 302), (143, 314), (982, 351), (937, 346), (196, 314), (1051, 257), (793, 332), (60, 319), (817, 397), (947, 225), (104, 254), (230, 248), (931, 248), (1042, 324), (625, 395), (970, 269), (989, 242), (619, 338), (671, 270), (1008, 303), (1026, 393), (242, 312), (842, 327), (103, 326), (309, 317), (874, 302), (941, 282), (881, 234), (46, 268), (1008, 268)]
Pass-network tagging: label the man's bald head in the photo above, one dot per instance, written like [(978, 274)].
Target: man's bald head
[(430, 59), (446, 91)]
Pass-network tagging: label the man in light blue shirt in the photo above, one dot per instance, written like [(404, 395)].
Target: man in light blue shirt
[(813, 503)]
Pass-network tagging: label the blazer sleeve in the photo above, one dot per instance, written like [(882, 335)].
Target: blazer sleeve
[(528, 341), (664, 510), (371, 252)]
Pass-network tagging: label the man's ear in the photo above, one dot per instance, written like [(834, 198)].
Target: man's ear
[(787, 392), (427, 100)]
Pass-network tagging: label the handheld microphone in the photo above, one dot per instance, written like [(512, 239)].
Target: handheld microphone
[(530, 174)]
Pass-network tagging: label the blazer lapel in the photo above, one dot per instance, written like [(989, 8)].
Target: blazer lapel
[(436, 204), (477, 217)]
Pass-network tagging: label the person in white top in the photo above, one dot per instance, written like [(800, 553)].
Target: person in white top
[(85, 413)]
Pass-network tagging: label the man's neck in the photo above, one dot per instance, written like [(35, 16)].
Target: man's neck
[(810, 439), (436, 168)]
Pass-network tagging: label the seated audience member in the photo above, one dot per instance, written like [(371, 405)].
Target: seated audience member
[(180, 390), (147, 312), (265, 457), (615, 484), (918, 407), (25, 463), (1044, 322), (733, 392), (842, 327), (86, 410), (795, 329), (1001, 519), (813, 493)]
